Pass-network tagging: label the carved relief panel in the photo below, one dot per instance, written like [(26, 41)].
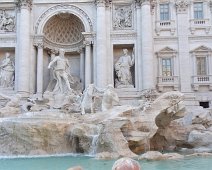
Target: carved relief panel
[(122, 17), (7, 20)]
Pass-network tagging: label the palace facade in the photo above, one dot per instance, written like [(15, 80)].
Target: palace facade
[(168, 42)]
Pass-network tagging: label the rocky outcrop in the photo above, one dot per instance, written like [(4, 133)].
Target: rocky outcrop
[(126, 130), (193, 132), (27, 136), (122, 130), (155, 155)]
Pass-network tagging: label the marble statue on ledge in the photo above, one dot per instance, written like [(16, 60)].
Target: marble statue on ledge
[(123, 72), (64, 87), (7, 71)]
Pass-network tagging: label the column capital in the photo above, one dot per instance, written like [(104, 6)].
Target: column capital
[(39, 45), (80, 50), (141, 2), (181, 5), (102, 3), (86, 43), (24, 4)]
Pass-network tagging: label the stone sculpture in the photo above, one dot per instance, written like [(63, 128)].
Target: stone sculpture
[(11, 107), (7, 22), (110, 97), (7, 72), (122, 17), (60, 67), (123, 72), (89, 99), (64, 90)]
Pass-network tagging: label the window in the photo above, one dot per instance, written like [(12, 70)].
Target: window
[(164, 11), (204, 104), (166, 67), (198, 10), (201, 66)]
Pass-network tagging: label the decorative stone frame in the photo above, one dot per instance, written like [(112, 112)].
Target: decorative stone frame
[(202, 80), (200, 24), (166, 25), (169, 81)]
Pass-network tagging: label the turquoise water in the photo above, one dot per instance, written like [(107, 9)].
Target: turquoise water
[(88, 163)]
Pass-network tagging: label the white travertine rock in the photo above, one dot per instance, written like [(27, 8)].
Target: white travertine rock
[(155, 155)]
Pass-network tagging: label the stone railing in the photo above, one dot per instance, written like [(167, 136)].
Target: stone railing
[(199, 24), (202, 79), (168, 80), (168, 25)]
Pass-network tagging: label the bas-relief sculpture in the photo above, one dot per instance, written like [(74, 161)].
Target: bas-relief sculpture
[(123, 71), (7, 70), (7, 22), (122, 17)]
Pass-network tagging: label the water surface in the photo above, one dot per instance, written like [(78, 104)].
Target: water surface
[(89, 163)]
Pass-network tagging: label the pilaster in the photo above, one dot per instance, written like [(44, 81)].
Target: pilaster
[(147, 45), (183, 45)]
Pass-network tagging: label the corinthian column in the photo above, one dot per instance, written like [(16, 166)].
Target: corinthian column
[(23, 41), (101, 44), (147, 45), (40, 70), (87, 63)]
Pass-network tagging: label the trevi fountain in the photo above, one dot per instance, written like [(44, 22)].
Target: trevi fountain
[(83, 83)]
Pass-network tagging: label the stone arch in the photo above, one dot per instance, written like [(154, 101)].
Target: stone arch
[(59, 9)]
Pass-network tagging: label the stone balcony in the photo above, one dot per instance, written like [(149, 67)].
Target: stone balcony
[(197, 24), (201, 80), (168, 81), (168, 25)]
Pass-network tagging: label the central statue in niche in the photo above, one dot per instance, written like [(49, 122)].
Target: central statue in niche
[(123, 72), (64, 88), (60, 67)]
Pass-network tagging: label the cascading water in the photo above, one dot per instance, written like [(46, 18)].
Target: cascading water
[(94, 144)]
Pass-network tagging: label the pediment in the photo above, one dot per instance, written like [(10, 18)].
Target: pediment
[(166, 50), (202, 49)]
